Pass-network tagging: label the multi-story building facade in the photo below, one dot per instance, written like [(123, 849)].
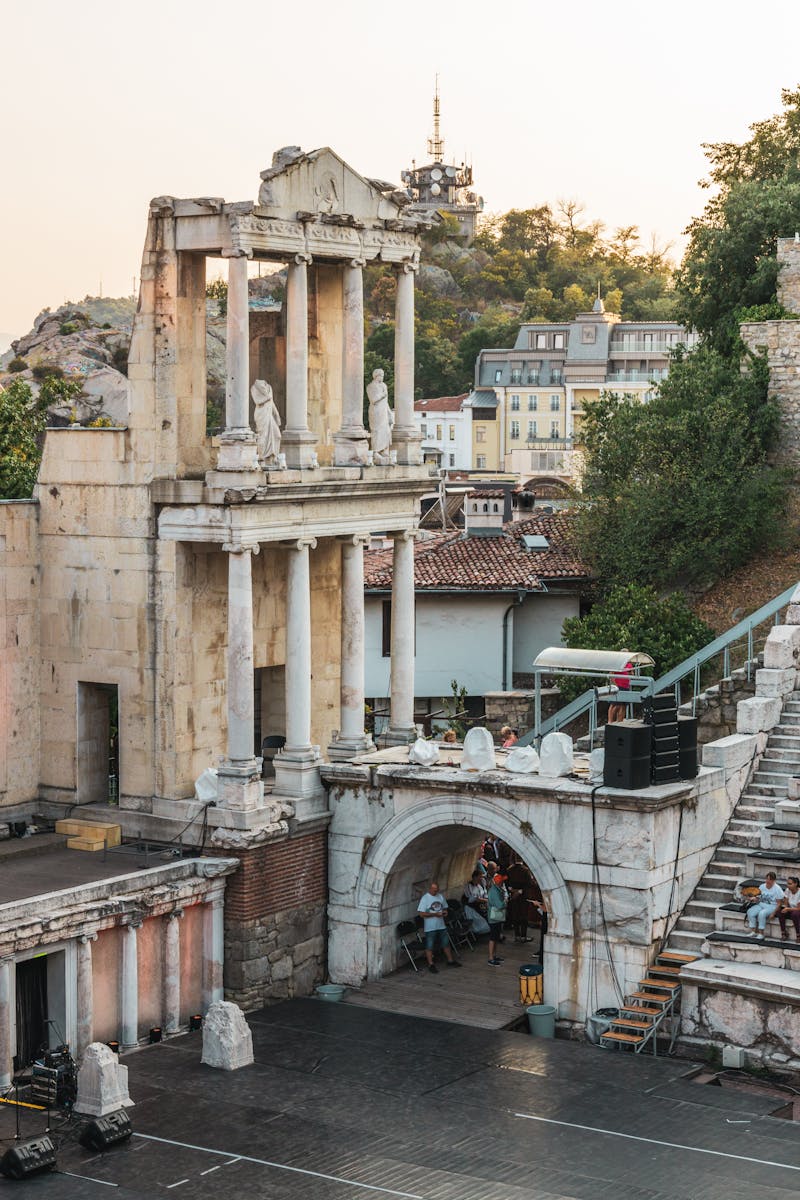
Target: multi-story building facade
[(528, 402), (446, 430)]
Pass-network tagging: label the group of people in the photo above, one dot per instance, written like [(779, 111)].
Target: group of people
[(773, 900), (501, 894)]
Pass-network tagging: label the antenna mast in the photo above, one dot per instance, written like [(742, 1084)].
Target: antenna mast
[(436, 144)]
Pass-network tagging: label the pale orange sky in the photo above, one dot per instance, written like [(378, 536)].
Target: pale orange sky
[(103, 106)]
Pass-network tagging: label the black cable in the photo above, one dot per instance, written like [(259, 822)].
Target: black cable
[(596, 878)]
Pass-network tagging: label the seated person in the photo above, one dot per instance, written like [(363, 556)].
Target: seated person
[(770, 897), (789, 908)]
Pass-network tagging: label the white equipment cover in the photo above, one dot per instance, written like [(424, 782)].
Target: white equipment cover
[(523, 759), (478, 751), (206, 786), (597, 760), (555, 756), (425, 754)]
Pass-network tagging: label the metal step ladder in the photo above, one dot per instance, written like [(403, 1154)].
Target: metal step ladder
[(646, 1010)]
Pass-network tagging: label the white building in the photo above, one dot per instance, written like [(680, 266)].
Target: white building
[(446, 428)]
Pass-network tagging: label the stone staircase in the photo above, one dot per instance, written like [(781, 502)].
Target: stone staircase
[(754, 811)]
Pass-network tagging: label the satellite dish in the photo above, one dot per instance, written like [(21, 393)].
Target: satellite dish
[(435, 189), (436, 173), (451, 171)]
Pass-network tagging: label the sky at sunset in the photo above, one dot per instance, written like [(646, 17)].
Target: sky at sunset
[(105, 105)]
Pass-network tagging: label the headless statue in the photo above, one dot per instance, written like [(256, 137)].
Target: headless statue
[(267, 421), (381, 417)]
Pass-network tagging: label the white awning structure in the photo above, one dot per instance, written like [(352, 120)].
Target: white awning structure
[(600, 662)]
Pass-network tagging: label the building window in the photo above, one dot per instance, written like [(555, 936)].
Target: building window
[(554, 429), (555, 404), (531, 429), (452, 460), (452, 433), (438, 433), (540, 341), (495, 508), (498, 375), (424, 429), (516, 374), (556, 375), (480, 433), (514, 430), (558, 341), (515, 403), (533, 403), (480, 462), (533, 373)]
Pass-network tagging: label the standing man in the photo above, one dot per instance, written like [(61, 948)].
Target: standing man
[(433, 909)]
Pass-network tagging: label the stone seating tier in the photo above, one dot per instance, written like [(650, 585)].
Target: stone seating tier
[(730, 920), (738, 947)]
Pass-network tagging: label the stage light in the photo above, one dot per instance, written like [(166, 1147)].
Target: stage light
[(155, 1035), (195, 1022)]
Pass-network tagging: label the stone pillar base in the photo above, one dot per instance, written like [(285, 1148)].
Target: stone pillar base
[(348, 747), (408, 444), (299, 779), (300, 448), (238, 451), (240, 787), (350, 448), (402, 736)]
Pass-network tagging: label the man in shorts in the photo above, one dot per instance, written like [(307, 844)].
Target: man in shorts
[(433, 909)]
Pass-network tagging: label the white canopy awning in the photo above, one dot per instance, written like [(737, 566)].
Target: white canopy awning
[(601, 662)]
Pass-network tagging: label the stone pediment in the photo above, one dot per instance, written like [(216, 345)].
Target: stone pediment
[(320, 182)]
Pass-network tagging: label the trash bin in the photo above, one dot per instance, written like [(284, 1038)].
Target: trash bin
[(531, 984), (330, 991), (598, 1023), (541, 1020)]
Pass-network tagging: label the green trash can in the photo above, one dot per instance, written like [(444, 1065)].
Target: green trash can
[(541, 1020)]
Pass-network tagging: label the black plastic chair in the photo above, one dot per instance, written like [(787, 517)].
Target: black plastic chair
[(409, 939), (269, 748)]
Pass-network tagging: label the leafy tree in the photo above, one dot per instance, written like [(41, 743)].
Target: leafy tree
[(730, 262), (681, 489), (633, 617), (494, 330), (21, 424)]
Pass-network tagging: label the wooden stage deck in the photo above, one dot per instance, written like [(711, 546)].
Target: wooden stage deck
[(477, 995)]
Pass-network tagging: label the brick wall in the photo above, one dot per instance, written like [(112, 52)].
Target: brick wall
[(279, 876)]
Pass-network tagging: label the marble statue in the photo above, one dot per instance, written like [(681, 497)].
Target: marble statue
[(381, 418), (267, 421)]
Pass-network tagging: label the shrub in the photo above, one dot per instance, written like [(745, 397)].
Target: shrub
[(47, 370), (17, 364), (68, 327)]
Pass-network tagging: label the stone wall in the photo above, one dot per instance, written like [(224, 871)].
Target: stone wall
[(275, 925), (517, 708), (716, 707), (781, 341), (19, 651)]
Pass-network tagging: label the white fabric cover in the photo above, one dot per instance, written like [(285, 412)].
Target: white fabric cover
[(523, 759), (206, 786), (478, 751), (597, 760), (555, 756), (424, 753)]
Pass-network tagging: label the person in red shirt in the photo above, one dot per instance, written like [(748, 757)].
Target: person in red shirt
[(618, 711)]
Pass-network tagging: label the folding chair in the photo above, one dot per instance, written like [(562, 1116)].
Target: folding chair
[(408, 936), (458, 929)]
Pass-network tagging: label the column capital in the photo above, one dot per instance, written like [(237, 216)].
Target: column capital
[(302, 260), (300, 543), (86, 938), (175, 915), (408, 266), (357, 262), (236, 252), (355, 539), (132, 924), (241, 547), (404, 535)]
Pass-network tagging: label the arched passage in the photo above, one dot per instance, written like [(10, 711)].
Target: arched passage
[(362, 942)]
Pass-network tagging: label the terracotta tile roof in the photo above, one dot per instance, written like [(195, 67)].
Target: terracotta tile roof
[(440, 403), (452, 562)]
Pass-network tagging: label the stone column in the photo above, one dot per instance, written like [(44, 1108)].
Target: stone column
[(85, 989), (130, 985), (296, 765), (172, 972), (401, 715), (406, 437), (238, 451), (297, 442), (350, 443), (239, 778), (352, 738), (213, 950), (6, 1049)]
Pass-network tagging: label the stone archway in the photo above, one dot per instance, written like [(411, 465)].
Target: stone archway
[(362, 943)]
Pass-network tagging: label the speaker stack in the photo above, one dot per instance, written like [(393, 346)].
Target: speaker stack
[(687, 747), (674, 739), (29, 1158), (628, 746)]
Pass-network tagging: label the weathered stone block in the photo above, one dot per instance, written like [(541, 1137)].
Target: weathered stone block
[(771, 682), (792, 616), (787, 812), (730, 752), (758, 714), (102, 1082), (782, 647), (227, 1040)]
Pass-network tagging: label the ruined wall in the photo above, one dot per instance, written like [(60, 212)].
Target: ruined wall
[(19, 651), (275, 922), (716, 707)]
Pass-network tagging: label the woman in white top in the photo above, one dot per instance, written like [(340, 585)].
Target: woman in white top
[(790, 907)]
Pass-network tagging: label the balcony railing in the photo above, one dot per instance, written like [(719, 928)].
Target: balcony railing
[(637, 376)]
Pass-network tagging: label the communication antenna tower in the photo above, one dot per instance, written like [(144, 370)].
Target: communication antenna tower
[(436, 143)]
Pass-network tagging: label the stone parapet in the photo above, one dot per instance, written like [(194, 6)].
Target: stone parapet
[(780, 340)]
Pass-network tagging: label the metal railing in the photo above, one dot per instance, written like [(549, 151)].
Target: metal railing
[(741, 636)]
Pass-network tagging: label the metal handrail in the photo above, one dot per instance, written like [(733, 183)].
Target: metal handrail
[(587, 701)]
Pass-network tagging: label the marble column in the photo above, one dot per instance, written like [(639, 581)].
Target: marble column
[(351, 443), (401, 706), (85, 996), (239, 778), (213, 951), (406, 437), (296, 765), (297, 442), (352, 738), (130, 985), (172, 972), (238, 450), (6, 1048)]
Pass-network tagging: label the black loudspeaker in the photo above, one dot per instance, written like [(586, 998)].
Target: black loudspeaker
[(665, 740), (664, 702), (29, 1158), (687, 733), (688, 762), (103, 1132), (632, 774), (628, 739), (667, 772)]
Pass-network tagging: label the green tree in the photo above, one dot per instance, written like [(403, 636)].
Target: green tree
[(680, 490), (22, 421)]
